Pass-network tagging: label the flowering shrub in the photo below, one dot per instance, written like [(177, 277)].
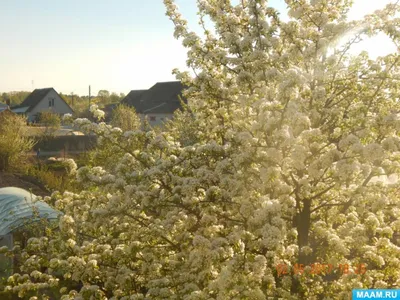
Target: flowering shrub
[(67, 163), (67, 119), (290, 133)]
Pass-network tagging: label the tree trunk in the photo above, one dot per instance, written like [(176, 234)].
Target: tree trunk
[(303, 230), (302, 222)]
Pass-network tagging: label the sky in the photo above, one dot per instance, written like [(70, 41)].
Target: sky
[(117, 45)]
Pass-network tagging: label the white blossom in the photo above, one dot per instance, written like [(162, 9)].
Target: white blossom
[(276, 162)]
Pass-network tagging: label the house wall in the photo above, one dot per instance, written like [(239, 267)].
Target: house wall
[(60, 107), (159, 118)]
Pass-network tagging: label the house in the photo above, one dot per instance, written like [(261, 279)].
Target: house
[(41, 100), (132, 98), (158, 103)]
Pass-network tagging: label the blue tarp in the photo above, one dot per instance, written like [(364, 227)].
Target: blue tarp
[(18, 207)]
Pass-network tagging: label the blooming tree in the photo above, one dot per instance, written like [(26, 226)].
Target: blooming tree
[(291, 133)]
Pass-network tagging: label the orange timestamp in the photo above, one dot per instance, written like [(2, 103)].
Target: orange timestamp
[(320, 269)]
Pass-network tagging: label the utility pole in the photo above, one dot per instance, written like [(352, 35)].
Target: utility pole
[(89, 96), (72, 99)]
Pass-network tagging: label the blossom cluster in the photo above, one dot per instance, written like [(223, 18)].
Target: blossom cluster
[(97, 113), (69, 163)]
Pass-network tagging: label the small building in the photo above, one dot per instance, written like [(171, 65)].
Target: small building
[(41, 100), (158, 103)]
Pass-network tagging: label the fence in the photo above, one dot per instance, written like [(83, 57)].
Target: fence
[(65, 144)]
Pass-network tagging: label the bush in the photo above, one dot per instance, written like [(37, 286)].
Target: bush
[(51, 180), (51, 121), (14, 144), (125, 117)]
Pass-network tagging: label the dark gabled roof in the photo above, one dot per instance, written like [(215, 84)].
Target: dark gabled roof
[(35, 97), (3, 105), (162, 98), (133, 98)]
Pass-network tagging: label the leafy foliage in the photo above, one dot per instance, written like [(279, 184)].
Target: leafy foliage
[(14, 98), (51, 122), (125, 117), (13, 143), (54, 175), (80, 104)]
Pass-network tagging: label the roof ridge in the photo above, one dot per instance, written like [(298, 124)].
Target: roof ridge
[(36, 96)]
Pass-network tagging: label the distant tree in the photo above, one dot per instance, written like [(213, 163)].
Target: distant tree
[(114, 98), (3, 97), (13, 141), (17, 98), (125, 117), (103, 93), (14, 98), (81, 104), (104, 96)]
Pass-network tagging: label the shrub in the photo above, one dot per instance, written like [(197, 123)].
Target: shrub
[(14, 144), (51, 122), (125, 117)]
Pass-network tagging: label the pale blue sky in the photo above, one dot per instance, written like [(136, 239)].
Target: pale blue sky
[(116, 45)]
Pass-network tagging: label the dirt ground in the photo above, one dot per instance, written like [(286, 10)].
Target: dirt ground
[(15, 180)]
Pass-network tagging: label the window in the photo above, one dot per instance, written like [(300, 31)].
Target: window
[(49, 103), (152, 118)]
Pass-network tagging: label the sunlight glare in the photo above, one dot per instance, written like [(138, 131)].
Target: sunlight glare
[(379, 45)]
